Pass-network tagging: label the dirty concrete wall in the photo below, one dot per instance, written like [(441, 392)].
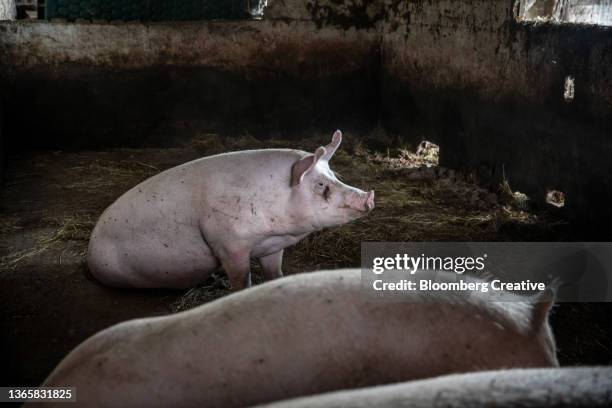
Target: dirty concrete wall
[(490, 91), (96, 84), (346, 13), (462, 73), (1, 142)]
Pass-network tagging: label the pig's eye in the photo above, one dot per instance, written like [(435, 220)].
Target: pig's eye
[(320, 184), (326, 193)]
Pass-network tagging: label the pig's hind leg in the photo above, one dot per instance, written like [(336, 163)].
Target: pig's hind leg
[(105, 265), (271, 265)]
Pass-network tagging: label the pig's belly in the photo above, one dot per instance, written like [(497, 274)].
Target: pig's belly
[(180, 263), (165, 256)]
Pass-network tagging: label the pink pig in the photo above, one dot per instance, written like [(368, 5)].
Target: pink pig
[(174, 229), (306, 334)]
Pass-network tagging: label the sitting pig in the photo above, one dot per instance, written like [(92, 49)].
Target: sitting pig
[(302, 335), (174, 229)]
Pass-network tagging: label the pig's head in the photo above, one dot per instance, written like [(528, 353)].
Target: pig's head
[(318, 198)]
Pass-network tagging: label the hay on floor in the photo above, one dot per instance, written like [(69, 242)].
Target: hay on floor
[(415, 201)]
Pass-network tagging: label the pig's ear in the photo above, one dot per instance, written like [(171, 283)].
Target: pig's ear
[(544, 302), (333, 146), (304, 165)]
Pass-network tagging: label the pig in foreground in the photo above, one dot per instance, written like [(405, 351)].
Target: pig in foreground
[(301, 335), (527, 388), (174, 229)]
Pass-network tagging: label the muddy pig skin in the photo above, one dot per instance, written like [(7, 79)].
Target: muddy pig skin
[(527, 388), (174, 229), (301, 335)]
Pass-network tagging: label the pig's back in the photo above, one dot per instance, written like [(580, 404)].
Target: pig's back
[(529, 388), (300, 335), (176, 195)]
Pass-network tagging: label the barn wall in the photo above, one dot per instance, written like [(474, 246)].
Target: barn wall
[(462, 73), (74, 85), (346, 13), (491, 92)]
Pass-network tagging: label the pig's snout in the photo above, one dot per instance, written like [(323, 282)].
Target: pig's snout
[(362, 201)]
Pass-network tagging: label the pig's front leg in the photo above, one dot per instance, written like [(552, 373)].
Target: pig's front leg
[(271, 265), (237, 265)]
